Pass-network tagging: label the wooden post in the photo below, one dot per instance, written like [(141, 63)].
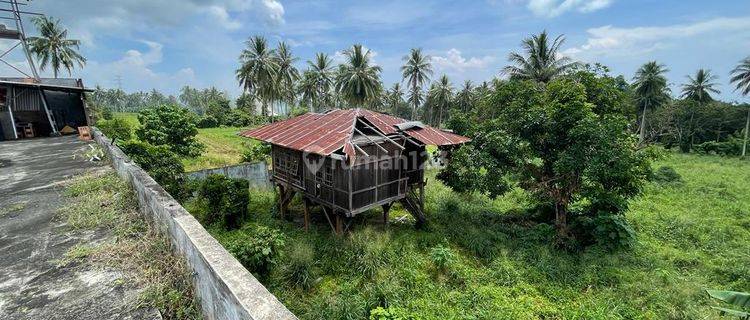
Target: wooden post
[(386, 209), (307, 213), (282, 195), (339, 225)]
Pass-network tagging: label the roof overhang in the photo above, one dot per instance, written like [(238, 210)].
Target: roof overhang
[(44, 86)]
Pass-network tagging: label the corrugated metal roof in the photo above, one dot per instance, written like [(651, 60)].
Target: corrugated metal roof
[(324, 133)]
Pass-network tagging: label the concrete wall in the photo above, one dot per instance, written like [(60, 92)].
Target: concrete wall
[(255, 173), (225, 288)]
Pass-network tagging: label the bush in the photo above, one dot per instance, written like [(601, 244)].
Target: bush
[(370, 251), (611, 232), (116, 129), (239, 118), (257, 152), (442, 257), (299, 268), (171, 126), (207, 122), (257, 249), (226, 200), (162, 164), (666, 175), (107, 113), (731, 147)]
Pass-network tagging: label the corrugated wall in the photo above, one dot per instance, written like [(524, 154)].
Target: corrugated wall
[(27, 100)]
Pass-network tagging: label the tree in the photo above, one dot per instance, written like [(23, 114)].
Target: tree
[(246, 103), (542, 61), (395, 101), (53, 48), (258, 70), (699, 90), (651, 91), (171, 126), (286, 75), (416, 71), (741, 78), (571, 155), (441, 95), (320, 77), (357, 80), (465, 98)]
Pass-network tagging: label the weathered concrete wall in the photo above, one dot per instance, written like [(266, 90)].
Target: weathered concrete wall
[(226, 289), (255, 173)]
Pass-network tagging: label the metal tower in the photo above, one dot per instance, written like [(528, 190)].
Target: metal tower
[(17, 35)]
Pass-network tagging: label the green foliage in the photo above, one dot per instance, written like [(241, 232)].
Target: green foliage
[(257, 152), (116, 129), (442, 257), (107, 113), (391, 313), (731, 147), (225, 199), (666, 175), (298, 111), (557, 143), (161, 164), (257, 248), (299, 266), (171, 126), (369, 250), (207, 122), (736, 299), (609, 231)]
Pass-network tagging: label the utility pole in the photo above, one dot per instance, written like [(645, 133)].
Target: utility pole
[(118, 81), (747, 128)]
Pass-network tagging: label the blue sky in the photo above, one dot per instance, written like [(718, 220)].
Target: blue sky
[(170, 43)]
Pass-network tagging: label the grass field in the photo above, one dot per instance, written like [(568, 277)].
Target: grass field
[(223, 145), (500, 265)]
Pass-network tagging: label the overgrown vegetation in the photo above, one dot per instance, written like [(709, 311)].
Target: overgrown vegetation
[(171, 126), (103, 201), (224, 200), (161, 164), (501, 264), (116, 128)]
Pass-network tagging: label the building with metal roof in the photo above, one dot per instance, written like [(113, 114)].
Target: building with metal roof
[(350, 161)]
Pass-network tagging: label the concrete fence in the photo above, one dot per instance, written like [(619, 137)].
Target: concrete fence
[(225, 288), (255, 173)]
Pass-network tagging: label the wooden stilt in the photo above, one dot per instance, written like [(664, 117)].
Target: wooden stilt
[(307, 213), (339, 225), (282, 195), (386, 209)]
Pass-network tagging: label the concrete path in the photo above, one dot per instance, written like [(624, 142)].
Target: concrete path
[(32, 285)]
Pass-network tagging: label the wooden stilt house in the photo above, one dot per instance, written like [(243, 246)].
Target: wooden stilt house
[(350, 161)]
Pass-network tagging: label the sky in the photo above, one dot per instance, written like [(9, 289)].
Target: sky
[(167, 44)]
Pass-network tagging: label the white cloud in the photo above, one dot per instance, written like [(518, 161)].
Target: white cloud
[(609, 40), (454, 61), (553, 8), (136, 69), (222, 17)]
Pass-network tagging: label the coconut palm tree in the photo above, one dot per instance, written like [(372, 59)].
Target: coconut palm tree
[(308, 90), (542, 61), (415, 98), (357, 80), (258, 70), (441, 94), (651, 90), (53, 48), (699, 89), (395, 98), (287, 75), (416, 70), (323, 73), (741, 78), (465, 97)]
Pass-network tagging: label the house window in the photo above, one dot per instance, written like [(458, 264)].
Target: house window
[(324, 176)]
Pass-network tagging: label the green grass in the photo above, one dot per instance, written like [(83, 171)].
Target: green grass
[(690, 235), (223, 146)]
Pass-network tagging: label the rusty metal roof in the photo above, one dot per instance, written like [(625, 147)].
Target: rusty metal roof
[(325, 133)]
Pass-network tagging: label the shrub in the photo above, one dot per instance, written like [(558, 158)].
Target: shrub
[(239, 118), (257, 152), (226, 200), (442, 257), (666, 175), (370, 251), (257, 249), (731, 147), (609, 231), (107, 113), (116, 129), (171, 126), (299, 268), (207, 122), (162, 164)]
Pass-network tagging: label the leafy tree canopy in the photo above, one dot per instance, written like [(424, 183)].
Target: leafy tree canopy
[(171, 126), (565, 142)]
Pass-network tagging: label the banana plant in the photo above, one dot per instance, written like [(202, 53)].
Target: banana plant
[(737, 299)]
